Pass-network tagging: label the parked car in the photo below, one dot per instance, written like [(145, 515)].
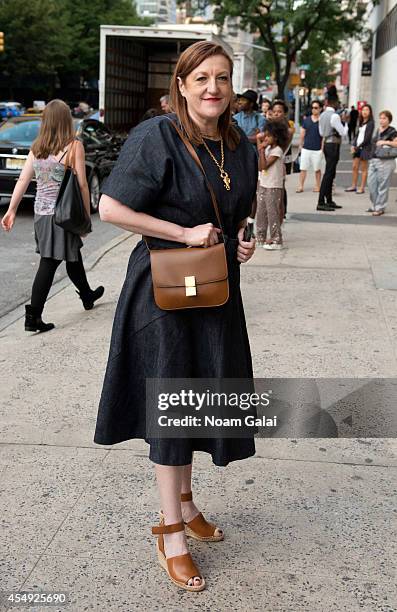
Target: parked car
[(18, 133), (10, 109)]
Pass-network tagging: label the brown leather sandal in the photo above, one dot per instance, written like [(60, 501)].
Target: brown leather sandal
[(181, 568), (200, 529)]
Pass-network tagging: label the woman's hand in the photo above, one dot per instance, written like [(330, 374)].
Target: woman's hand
[(245, 250), (8, 220), (383, 143), (201, 235)]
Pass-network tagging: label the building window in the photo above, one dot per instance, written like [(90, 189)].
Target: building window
[(386, 34)]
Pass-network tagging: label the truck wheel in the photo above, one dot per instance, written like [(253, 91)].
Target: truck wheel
[(94, 192)]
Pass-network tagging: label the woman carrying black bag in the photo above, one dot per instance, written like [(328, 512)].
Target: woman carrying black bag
[(382, 164), (54, 147)]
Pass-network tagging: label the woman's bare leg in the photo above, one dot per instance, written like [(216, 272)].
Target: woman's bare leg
[(364, 174), (169, 481), (302, 178), (318, 179), (356, 163), (189, 508)]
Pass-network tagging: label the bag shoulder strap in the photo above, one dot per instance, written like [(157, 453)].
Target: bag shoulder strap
[(196, 158), (71, 155), (63, 155)]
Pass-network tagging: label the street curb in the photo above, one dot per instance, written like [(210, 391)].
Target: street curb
[(19, 311)]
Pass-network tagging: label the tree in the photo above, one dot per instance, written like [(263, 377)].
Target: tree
[(36, 41), (84, 21), (320, 59), (286, 26), (50, 39)]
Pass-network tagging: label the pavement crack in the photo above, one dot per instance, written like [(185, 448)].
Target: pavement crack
[(370, 465), (72, 507)]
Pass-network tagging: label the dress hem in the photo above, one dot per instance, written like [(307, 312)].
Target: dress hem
[(201, 450)]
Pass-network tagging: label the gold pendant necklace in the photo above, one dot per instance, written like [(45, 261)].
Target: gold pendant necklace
[(224, 175)]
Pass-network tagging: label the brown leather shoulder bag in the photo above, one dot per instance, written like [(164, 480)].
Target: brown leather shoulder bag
[(191, 277)]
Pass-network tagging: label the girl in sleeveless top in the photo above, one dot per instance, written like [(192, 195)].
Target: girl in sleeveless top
[(54, 146)]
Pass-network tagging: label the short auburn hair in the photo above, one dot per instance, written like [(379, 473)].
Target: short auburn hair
[(387, 114), (189, 60)]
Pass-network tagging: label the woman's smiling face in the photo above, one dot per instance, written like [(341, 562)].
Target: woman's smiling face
[(208, 88)]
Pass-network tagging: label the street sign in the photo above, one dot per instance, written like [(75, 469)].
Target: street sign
[(366, 68)]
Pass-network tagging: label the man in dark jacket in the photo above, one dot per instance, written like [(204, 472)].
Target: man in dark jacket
[(353, 117)]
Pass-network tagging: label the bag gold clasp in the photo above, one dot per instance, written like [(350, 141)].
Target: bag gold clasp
[(190, 286)]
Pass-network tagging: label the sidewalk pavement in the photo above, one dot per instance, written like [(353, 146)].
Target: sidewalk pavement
[(310, 524)]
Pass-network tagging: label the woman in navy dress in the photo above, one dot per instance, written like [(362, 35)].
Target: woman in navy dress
[(157, 190)]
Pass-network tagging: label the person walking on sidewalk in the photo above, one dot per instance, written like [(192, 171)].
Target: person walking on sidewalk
[(352, 122), (381, 168), (361, 149), (310, 147), (156, 189), (332, 131), (55, 143), (270, 208)]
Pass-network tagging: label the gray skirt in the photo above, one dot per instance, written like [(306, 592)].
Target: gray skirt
[(53, 242)]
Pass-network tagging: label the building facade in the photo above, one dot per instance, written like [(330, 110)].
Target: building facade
[(383, 21), (373, 68), (160, 11)]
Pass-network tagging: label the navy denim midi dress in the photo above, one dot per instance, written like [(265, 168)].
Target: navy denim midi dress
[(155, 174)]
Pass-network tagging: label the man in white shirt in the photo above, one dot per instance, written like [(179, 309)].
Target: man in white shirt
[(332, 131)]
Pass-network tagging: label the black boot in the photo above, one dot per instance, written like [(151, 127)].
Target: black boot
[(34, 322), (88, 298)]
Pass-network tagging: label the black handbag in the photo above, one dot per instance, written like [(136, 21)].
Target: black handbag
[(385, 152), (70, 212), (297, 164)]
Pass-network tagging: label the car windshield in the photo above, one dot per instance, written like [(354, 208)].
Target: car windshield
[(22, 133)]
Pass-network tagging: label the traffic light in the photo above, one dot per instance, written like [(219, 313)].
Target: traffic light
[(1, 42)]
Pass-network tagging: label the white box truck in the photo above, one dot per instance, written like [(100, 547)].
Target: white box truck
[(136, 64)]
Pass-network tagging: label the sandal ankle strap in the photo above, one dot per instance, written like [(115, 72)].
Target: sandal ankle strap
[(186, 497), (160, 529)]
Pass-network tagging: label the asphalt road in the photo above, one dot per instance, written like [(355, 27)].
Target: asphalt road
[(18, 260)]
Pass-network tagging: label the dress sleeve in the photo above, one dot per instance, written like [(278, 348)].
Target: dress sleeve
[(139, 174), (277, 152)]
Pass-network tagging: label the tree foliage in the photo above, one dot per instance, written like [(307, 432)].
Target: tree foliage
[(286, 26), (49, 38), (35, 43), (321, 61), (84, 21)]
